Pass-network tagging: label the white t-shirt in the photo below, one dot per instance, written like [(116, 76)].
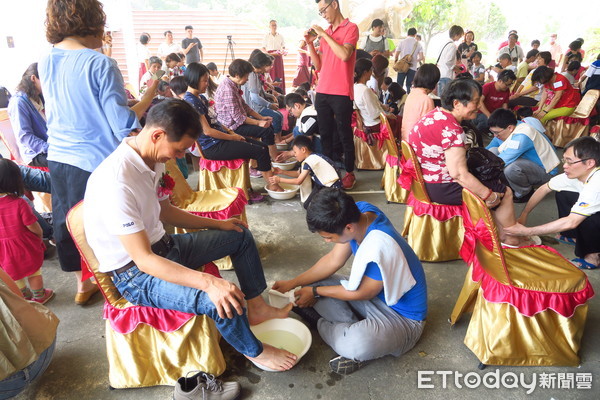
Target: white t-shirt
[(271, 42), (588, 202), (367, 103), (143, 53), (121, 198), (447, 60), (406, 47), (166, 49), (516, 53)]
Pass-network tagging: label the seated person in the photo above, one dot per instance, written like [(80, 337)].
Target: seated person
[(385, 94), (215, 75), (495, 95), (233, 112), (366, 101), (178, 86), (529, 94), (443, 157), (593, 73), (155, 65), (171, 64), (523, 68), (529, 157), (504, 63), (153, 269), (306, 121), (559, 97), (28, 120), (573, 72), (578, 201), (216, 141), (320, 168), (477, 68), (28, 338), (418, 102), (255, 96), (397, 99), (381, 308)]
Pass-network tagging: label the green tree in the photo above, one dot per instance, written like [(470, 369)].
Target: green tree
[(432, 17), (488, 22)]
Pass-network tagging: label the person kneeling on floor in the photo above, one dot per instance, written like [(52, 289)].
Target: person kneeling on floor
[(529, 157), (154, 269), (578, 202), (380, 309)]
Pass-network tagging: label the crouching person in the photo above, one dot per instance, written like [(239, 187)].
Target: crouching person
[(380, 308), (151, 268)]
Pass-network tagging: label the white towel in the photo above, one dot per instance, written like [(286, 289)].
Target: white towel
[(381, 248), (324, 172)]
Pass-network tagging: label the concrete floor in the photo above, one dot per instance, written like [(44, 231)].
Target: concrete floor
[(79, 369)]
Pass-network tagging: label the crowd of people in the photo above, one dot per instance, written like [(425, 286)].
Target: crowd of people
[(111, 153)]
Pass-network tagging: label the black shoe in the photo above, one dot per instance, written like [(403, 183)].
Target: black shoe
[(309, 315), (523, 199), (345, 366)]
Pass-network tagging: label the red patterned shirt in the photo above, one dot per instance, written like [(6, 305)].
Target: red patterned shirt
[(435, 132)]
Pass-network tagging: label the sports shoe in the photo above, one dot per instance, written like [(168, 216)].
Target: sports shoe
[(48, 294), (344, 366), (308, 314), (348, 181), (206, 387), (254, 173)]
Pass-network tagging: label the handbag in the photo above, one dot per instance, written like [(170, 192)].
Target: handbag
[(487, 167), (403, 65)]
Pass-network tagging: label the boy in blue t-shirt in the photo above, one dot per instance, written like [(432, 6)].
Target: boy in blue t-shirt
[(320, 168), (380, 309)]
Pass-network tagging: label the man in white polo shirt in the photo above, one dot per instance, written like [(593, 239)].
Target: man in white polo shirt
[(578, 201), (151, 268)]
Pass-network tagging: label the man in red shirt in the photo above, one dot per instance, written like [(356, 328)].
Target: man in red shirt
[(335, 91), (494, 95)]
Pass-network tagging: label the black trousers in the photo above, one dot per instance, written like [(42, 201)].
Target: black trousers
[(335, 118), (587, 233), (522, 101), (266, 135), (231, 150), (68, 188)]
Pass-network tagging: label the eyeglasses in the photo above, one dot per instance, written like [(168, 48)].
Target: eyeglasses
[(322, 12), (498, 132), (570, 162)]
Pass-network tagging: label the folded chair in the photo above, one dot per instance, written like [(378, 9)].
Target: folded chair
[(394, 193), (221, 174), (218, 204), (434, 231), (562, 130), (369, 156), (529, 304), (148, 346)]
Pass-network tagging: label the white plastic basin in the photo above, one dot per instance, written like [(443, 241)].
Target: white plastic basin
[(288, 193), (287, 165)]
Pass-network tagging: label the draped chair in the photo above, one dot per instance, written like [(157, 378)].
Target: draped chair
[(221, 174), (529, 304), (562, 130), (148, 346), (369, 156), (394, 193), (434, 231), (218, 204)]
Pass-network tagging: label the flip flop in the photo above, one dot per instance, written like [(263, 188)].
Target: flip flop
[(582, 264), (566, 240)]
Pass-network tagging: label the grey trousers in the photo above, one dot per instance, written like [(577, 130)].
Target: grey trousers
[(523, 175), (365, 329)]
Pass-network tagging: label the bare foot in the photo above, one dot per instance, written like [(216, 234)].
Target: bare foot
[(260, 312), (274, 187), (273, 358)]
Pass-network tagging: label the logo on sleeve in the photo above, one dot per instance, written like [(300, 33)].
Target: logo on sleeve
[(127, 225), (583, 204)]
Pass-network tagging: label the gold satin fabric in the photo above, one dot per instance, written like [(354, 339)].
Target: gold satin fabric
[(146, 356), (499, 335), (561, 133), (149, 357), (369, 157), (432, 240), (394, 193), (225, 178)]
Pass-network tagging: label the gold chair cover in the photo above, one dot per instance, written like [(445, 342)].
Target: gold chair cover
[(369, 157), (147, 356), (225, 178), (433, 240), (529, 304), (394, 193), (562, 130)]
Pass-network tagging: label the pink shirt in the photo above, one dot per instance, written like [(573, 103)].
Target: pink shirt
[(417, 104), (337, 76)]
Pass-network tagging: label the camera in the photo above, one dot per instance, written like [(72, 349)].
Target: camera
[(515, 59)]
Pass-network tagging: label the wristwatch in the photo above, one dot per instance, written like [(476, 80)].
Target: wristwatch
[(315, 294)]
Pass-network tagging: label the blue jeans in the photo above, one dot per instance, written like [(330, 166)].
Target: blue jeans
[(317, 145), (409, 75), (277, 118), (194, 250), (47, 230), (481, 123), (17, 382), (35, 179), (442, 85)]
